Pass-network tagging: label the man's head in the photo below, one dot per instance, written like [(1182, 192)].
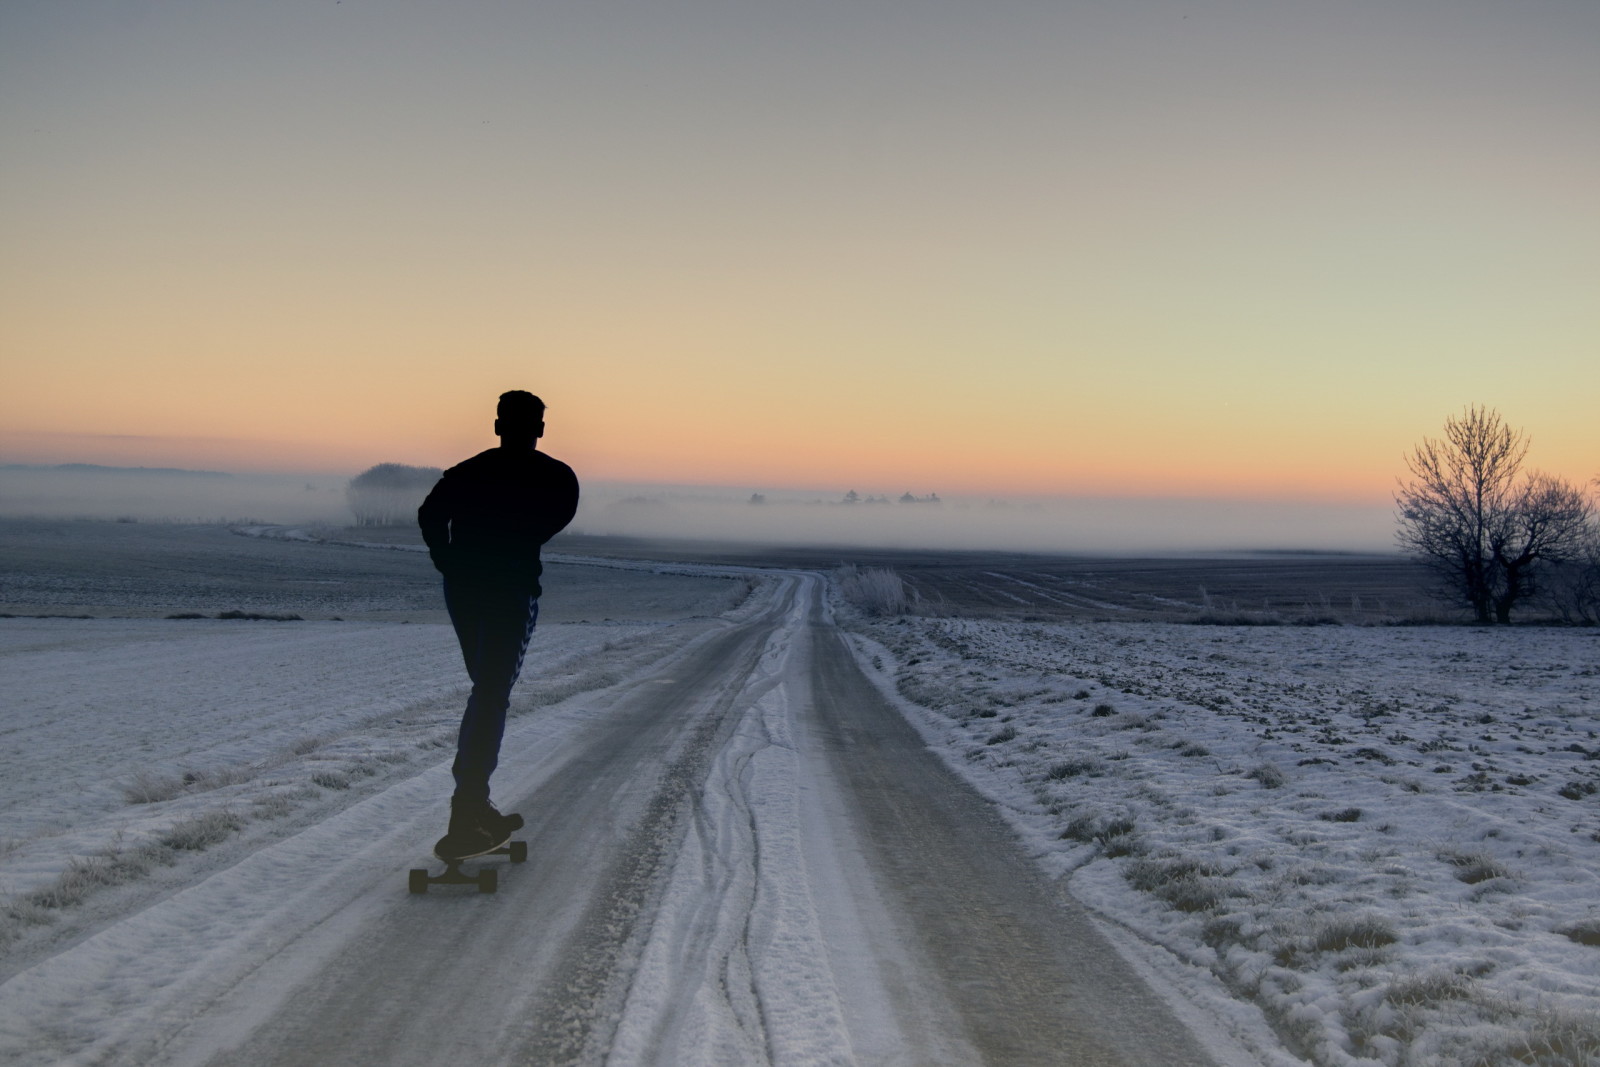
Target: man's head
[(519, 418)]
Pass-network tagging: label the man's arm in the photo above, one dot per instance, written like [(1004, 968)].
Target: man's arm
[(434, 519), (563, 504), (549, 510)]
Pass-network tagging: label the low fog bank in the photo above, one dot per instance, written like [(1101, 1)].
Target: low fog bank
[(1099, 525), (161, 495), (1090, 524)]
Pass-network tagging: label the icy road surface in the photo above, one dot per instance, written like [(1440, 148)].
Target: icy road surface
[(740, 854)]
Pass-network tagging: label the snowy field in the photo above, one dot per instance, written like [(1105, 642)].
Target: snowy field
[(1383, 841), (153, 570), (141, 750), (1386, 838)]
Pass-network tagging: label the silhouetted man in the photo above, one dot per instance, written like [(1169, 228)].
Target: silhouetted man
[(484, 523)]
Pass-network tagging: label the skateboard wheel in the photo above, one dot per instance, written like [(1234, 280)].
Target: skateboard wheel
[(488, 880), (519, 851), (419, 881)]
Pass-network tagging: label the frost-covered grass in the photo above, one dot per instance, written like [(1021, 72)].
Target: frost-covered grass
[(1387, 839), (873, 590)]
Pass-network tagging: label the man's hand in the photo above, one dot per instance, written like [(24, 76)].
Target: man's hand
[(444, 559)]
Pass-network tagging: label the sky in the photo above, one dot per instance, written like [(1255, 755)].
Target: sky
[(1208, 251)]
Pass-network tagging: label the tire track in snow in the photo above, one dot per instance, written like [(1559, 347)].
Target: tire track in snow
[(577, 1025), (735, 971)]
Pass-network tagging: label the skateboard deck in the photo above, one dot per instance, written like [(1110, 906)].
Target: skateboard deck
[(486, 879)]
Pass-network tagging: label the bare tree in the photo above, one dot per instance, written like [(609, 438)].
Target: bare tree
[(1549, 523), (1481, 526), (1574, 588)]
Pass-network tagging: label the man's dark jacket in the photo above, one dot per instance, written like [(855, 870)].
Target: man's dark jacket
[(486, 517)]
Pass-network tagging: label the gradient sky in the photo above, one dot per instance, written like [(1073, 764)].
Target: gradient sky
[(1230, 249)]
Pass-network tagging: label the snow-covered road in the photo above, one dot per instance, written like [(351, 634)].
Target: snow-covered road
[(739, 853)]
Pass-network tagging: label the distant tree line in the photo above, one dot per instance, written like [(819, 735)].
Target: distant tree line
[(1496, 536), (390, 493), (852, 497)]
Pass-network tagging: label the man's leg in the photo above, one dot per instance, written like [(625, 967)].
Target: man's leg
[(493, 626)]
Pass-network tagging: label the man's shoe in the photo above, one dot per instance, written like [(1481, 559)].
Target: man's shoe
[(503, 826), (465, 844), (469, 835), (476, 827)]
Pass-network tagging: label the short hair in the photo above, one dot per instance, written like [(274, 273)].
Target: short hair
[(520, 406)]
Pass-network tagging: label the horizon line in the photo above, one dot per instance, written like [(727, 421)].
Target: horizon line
[(1302, 498)]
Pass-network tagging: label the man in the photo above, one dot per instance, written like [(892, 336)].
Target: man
[(484, 522)]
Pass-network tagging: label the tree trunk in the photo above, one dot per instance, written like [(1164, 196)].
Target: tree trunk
[(1518, 585)]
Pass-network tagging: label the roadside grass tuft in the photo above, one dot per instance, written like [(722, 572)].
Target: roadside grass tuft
[(1395, 1021), (1475, 867), (1579, 789), (1002, 735), (1074, 767), (1084, 828), (1223, 930), (1186, 884), (1122, 845), (330, 779), (1117, 828), (1429, 990), (310, 743), (1586, 932), (1269, 776), (20, 914), (1102, 711), (1150, 874), (202, 831), (877, 591), (204, 781), (1342, 815), (1115, 836), (84, 875), (1555, 1039), (150, 788), (273, 807), (1360, 931)]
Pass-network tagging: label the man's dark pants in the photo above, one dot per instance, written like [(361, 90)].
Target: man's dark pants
[(493, 624)]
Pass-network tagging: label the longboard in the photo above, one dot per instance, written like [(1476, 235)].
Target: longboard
[(487, 880)]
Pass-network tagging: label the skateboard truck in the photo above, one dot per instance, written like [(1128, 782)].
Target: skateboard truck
[(487, 880)]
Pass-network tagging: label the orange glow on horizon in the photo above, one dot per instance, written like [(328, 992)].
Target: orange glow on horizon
[(824, 465)]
